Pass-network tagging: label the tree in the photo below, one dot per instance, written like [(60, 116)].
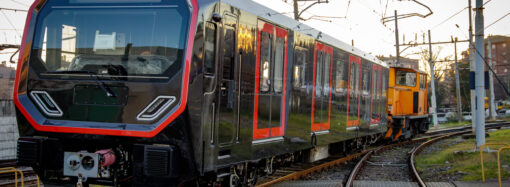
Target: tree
[(442, 73)]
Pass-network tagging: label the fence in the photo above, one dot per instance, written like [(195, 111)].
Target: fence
[(8, 130)]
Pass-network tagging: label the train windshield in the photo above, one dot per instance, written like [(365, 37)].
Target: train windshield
[(406, 78), (113, 39)]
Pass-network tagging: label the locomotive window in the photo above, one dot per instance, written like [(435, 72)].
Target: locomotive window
[(265, 59), (406, 78), (423, 80), (209, 48), (299, 67), (278, 64), (327, 65), (126, 41)]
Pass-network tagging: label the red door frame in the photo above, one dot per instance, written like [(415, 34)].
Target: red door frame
[(329, 50), (374, 69), (357, 60), (271, 131)]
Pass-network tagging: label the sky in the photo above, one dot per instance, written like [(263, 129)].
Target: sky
[(356, 20)]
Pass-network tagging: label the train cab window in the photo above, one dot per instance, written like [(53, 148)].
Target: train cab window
[(228, 52), (132, 42), (278, 64), (299, 67), (423, 80), (406, 78), (265, 61), (209, 48)]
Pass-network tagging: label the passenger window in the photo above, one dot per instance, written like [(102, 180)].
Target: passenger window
[(278, 64), (318, 75), (265, 59), (327, 65), (209, 48), (339, 87), (299, 67)]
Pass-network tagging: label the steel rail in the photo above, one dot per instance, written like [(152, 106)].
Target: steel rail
[(432, 134)]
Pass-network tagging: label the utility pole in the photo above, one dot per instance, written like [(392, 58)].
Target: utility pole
[(296, 10), (396, 39), (457, 84), (432, 84), (492, 106), (472, 70), (479, 75)]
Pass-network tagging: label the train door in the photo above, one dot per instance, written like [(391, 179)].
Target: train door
[(375, 109), (228, 103), (354, 92), (321, 97), (270, 83)]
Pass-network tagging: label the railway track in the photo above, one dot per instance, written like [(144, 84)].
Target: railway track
[(372, 165)]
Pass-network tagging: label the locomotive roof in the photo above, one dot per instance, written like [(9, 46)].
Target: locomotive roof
[(278, 18)]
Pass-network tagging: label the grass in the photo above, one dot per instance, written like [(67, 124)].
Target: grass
[(459, 158)]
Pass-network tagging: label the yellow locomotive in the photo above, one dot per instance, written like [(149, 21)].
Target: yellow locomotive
[(407, 103)]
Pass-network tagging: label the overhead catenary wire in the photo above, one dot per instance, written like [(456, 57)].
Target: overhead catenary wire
[(12, 25), (444, 21), (499, 19), (20, 3)]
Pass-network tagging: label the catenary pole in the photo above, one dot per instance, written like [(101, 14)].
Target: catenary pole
[(479, 75), (492, 106), (471, 69), (457, 83), (432, 84), (296, 10), (397, 39)]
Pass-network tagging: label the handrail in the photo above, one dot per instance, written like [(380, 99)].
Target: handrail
[(481, 155), (499, 164), (15, 171)]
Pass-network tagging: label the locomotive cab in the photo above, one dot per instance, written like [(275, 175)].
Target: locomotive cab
[(82, 94), (407, 102)]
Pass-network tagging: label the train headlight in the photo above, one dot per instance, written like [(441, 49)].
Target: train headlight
[(155, 108), (46, 103)]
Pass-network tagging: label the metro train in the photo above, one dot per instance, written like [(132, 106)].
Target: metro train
[(168, 92)]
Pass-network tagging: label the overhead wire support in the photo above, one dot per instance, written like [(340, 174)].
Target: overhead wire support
[(391, 18)]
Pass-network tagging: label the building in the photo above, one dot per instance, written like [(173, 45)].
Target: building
[(500, 57), (7, 75)]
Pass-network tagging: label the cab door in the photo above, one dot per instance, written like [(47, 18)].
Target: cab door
[(354, 92), (228, 102), (321, 97), (270, 83)]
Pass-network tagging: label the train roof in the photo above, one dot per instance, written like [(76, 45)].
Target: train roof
[(276, 17)]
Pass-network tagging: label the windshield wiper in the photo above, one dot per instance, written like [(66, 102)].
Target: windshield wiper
[(100, 83)]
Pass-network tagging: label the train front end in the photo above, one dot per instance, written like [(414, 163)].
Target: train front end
[(101, 90)]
